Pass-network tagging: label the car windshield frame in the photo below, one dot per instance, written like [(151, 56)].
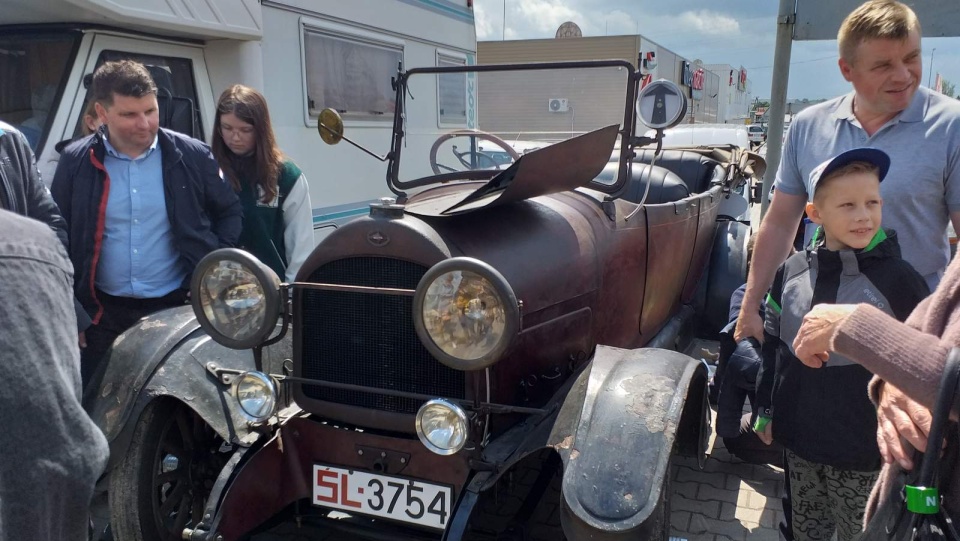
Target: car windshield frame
[(71, 38), (627, 131)]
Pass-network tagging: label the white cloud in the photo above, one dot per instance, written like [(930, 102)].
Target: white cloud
[(487, 28), (542, 16), (619, 22), (531, 19), (709, 22)]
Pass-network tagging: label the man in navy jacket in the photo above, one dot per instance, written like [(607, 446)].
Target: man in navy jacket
[(143, 205)]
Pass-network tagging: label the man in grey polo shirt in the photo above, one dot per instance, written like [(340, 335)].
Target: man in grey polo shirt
[(880, 55)]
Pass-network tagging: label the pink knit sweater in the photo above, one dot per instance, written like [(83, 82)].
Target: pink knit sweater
[(910, 356)]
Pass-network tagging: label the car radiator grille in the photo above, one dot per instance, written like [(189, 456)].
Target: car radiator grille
[(369, 339)]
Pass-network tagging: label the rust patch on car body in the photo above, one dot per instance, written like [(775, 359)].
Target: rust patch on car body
[(651, 400)]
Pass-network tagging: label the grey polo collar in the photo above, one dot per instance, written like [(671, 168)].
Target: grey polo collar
[(913, 112)]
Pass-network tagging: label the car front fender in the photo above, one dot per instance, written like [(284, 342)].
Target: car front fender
[(616, 453), (165, 355)]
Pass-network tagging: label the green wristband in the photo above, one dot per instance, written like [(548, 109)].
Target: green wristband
[(761, 424), (922, 500)]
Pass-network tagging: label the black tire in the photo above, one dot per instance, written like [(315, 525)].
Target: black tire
[(660, 528), (150, 504)]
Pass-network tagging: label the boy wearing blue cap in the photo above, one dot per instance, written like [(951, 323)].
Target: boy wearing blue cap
[(824, 418)]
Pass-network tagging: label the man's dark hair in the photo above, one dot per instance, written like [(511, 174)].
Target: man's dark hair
[(124, 78)]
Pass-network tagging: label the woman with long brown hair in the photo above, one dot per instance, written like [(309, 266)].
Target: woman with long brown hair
[(277, 215)]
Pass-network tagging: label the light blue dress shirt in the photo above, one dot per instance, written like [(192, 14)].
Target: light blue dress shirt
[(138, 258)]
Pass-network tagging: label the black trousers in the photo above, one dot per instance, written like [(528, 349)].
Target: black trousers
[(119, 314)]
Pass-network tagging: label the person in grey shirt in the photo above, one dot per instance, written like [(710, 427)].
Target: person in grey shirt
[(880, 55), (52, 452)]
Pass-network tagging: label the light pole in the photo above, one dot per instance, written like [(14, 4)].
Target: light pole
[(929, 75), (503, 36)]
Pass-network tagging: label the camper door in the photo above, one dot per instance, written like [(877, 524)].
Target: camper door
[(183, 87)]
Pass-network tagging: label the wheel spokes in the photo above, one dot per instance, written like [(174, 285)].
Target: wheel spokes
[(171, 477), (185, 427), (182, 515), (186, 466), (173, 500)]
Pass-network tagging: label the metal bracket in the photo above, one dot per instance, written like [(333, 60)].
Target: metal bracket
[(390, 462), (225, 375), (609, 208), (787, 19)]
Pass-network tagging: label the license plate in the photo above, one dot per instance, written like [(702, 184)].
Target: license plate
[(396, 498)]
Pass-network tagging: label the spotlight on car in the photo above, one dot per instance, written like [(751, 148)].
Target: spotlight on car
[(465, 313), (236, 298), (442, 426), (256, 393)]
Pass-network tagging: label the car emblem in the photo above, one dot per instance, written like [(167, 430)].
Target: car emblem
[(377, 239)]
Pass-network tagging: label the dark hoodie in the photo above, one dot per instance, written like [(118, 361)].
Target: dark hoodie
[(203, 211), (825, 415)]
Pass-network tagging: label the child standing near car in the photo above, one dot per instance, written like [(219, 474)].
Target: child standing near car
[(824, 418)]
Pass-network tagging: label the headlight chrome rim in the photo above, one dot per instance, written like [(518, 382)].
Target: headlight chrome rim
[(271, 386), (265, 278), (504, 292), (461, 417)]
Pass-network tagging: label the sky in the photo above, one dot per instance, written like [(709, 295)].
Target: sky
[(735, 32)]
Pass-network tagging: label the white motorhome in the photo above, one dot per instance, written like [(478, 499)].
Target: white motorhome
[(304, 55)]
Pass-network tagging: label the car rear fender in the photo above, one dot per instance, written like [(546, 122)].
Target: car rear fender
[(164, 355), (727, 271), (616, 453)]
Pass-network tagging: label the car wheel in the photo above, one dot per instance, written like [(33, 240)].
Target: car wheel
[(162, 484), (660, 528)]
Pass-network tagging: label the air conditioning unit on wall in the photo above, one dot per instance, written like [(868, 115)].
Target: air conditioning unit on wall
[(557, 105)]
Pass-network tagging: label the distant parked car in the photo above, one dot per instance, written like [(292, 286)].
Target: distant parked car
[(757, 133), (500, 156), (694, 135)]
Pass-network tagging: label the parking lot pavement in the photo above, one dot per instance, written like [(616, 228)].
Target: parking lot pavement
[(727, 500)]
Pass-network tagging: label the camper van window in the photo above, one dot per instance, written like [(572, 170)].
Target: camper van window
[(176, 90), (350, 75), (452, 93), (33, 67)]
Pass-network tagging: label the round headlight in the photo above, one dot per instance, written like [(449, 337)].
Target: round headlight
[(236, 298), (465, 313), (442, 426), (257, 395)]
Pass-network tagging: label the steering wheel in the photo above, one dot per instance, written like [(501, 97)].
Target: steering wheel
[(467, 133)]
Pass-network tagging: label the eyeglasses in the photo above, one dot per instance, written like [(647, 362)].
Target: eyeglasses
[(229, 131)]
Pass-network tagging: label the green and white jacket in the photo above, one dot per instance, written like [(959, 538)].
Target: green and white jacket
[(824, 415), (278, 232)]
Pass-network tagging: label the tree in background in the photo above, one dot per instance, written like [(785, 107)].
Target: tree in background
[(948, 88)]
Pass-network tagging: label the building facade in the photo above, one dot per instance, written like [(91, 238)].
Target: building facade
[(513, 107), (734, 97)]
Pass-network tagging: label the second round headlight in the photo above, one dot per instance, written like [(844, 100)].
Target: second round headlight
[(442, 426), (256, 394)]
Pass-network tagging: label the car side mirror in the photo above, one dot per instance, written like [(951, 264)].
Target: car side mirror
[(330, 126)]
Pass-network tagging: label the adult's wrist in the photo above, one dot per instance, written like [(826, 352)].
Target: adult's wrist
[(750, 300)]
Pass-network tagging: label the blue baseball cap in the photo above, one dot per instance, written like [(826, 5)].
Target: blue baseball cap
[(873, 156)]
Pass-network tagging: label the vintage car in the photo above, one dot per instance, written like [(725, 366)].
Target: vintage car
[(494, 352)]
